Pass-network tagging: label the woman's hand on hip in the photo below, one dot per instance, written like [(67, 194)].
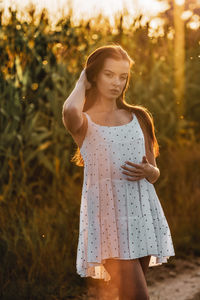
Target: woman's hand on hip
[(140, 171)]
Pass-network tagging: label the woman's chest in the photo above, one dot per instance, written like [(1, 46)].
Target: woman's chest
[(121, 135), (114, 144)]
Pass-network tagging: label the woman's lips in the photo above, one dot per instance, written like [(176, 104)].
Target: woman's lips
[(114, 91)]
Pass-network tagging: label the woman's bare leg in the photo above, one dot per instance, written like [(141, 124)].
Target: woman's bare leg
[(113, 268), (144, 261), (129, 277), (133, 283)]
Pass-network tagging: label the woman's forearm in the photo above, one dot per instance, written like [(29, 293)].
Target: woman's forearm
[(76, 99), (74, 104)]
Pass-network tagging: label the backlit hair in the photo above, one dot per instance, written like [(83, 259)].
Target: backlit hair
[(93, 66)]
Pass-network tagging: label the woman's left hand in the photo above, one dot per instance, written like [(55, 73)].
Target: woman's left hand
[(138, 171)]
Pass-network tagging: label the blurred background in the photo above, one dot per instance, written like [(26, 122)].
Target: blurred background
[(43, 48)]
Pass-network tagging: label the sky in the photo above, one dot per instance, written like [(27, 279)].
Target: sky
[(90, 8)]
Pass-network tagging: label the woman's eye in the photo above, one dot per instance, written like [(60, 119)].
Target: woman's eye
[(109, 75)]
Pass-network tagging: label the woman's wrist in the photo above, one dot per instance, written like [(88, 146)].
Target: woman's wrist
[(152, 178)]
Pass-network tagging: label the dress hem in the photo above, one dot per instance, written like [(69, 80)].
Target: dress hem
[(98, 271)]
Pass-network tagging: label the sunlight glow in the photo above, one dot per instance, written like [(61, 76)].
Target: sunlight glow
[(156, 27), (194, 24), (90, 8), (186, 15), (180, 2)]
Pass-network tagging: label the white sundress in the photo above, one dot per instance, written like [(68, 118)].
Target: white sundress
[(119, 219)]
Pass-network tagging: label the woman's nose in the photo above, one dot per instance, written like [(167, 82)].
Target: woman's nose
[(116, 81)]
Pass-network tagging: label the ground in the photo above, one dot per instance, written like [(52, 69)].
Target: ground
[(179, 279)]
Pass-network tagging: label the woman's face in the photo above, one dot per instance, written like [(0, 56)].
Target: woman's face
[(112, 78)]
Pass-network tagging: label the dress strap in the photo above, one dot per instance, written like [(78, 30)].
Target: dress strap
[(88, 117)]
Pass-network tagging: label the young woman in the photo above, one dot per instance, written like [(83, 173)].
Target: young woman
[(122, 229)]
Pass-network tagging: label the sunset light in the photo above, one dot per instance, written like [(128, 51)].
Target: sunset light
[(90, 8), (85, 10), (99, 149)]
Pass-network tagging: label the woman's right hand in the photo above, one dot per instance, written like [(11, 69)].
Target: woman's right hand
[(83, 80)]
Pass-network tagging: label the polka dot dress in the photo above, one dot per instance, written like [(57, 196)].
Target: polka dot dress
[(119, 219)]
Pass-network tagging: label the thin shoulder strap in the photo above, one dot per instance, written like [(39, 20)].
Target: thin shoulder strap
[(87, 116)]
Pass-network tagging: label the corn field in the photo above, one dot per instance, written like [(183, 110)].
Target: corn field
[(40, 188)]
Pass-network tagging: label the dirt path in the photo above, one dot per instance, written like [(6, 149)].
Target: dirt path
[(182, 285), (178, 279)]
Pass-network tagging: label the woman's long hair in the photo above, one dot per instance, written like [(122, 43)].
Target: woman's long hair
[(93, 66)]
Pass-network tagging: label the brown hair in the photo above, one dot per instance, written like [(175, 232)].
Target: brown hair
[(93, 66)]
